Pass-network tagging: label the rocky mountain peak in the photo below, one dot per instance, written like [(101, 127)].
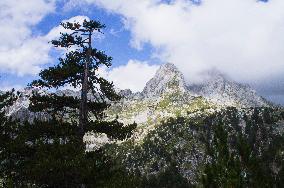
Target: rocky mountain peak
[(168, 67), (167, 78), (222, 90), (215, 74)]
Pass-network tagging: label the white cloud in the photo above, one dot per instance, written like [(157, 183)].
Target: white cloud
[(20, 52), (134, 75), (55, 32), (243, 38), (10, 87)]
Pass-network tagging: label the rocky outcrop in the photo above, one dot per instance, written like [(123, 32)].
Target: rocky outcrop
[(220, 89), (167, 78)]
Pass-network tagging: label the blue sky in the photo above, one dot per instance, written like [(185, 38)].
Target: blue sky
[(241, 38), (116, 45), (115, 42)]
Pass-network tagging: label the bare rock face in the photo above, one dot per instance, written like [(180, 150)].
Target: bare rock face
[(221, 90), (167, 78), (19, 110), (125, 93), (217, 88)]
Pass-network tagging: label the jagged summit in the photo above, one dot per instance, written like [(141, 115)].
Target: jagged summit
[(169, 67), (222, 90), (167, 78), (217, 88)]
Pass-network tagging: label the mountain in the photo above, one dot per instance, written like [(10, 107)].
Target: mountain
[(216, 88), (165, 95), (168, 95), (19, 110), (167, 78), (220, 89), (188, 142), (177, 122)]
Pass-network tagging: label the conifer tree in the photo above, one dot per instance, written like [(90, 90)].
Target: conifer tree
[(79, 69), (67, 159), (243, 154), (8, 132)]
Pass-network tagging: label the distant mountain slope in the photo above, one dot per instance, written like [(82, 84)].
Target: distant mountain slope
[(185, 141)]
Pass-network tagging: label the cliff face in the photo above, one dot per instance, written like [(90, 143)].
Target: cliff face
[(166, 79), (226, 92)]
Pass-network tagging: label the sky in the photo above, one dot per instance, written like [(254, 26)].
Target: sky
[(242, 38)]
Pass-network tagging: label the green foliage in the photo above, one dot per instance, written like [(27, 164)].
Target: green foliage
[(78, 69), (229, 148), (52, 153), (244, 154), (114, 129), (166, 156), (170, 178)]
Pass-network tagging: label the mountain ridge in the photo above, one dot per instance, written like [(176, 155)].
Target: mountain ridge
[(165, 95), (217, 88)]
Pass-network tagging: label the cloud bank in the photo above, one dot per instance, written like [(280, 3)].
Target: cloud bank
[(243, 38), (134, 75), (20, 51)]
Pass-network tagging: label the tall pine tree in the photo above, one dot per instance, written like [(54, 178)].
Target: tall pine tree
[(72, 117), (79, 69)]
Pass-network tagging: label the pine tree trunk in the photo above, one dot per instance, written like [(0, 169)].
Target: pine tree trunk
[(83, 119)]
